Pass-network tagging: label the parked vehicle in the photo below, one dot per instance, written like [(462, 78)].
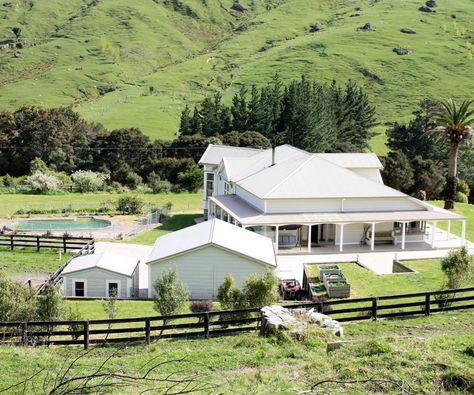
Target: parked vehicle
[(290, 289)]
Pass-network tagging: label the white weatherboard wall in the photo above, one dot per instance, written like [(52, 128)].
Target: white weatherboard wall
[(203, 270), (96, 282), (338, 205)]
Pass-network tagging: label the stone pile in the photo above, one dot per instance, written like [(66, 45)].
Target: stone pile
[(296, 321)]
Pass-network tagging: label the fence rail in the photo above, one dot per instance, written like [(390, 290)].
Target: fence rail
[(55, 278), (64, 243), (219, 323)]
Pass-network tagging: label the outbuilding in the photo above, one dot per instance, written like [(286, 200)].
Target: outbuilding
[(101, 275), (204, 254)]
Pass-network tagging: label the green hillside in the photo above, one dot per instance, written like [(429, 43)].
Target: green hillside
[(136, 63)]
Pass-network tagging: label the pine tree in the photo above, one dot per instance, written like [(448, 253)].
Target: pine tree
[(239, 111), (195, 122), (185, 122), (255, 111)]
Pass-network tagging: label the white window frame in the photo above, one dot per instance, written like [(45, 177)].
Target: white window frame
[(119, 287), (227, 188), (79, 280)]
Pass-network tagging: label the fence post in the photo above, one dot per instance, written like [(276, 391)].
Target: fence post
[(37, 243), (11, 242), (374, 309), (427, 304), (64, 244), (86, 335), (206, 325), (147, 331), (24, 333)]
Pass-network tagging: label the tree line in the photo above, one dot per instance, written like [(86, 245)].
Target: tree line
[(420, 155), (304, 113), (35, 141)]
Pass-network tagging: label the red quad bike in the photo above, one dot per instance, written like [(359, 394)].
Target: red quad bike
[(290, 289)]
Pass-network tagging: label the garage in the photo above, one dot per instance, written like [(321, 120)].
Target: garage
[(205, 253)]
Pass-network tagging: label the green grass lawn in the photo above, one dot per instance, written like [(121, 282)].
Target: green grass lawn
[(10, 203), (423, 352), (466, 210), (27, 261), (428, 277), (176, 222)]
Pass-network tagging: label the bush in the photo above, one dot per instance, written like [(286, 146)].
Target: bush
[(17, 302), (158, 185), (201, 306), (261, 290), (171, 295), (89, 181), (229, 296), (458, 267), (191, 179), (463, 187), (257, 291), (130, 205), (126, 176), (51, 305), (461, 197), (42, 182)]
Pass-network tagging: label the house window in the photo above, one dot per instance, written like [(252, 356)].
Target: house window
[(227, 188), (79, 288), (112, 289), (209, 184)]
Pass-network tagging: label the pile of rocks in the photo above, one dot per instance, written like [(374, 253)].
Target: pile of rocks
[(296, 321)]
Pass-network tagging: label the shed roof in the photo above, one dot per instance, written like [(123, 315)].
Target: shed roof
[(218, 233), (120, 264)]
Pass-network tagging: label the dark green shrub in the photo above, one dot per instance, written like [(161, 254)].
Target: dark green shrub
[(130, 205)]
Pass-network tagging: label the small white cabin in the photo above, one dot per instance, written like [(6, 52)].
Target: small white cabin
[(101, 275), (204, 254)]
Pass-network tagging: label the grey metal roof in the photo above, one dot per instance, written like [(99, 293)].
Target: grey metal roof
[(121, 264), (214, 153), (312, 177), (214, 232), (354, 160), (248, 215)]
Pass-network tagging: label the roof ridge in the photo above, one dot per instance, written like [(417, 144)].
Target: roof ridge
[(288, 176), (211, 233)]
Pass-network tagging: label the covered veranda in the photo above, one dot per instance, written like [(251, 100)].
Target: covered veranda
[(322, 233)]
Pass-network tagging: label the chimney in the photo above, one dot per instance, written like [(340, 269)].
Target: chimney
[(273, 155)]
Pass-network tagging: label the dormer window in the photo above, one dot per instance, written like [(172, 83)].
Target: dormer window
[(227, 188)]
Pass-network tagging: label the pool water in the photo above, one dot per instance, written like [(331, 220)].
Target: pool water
[(62, 224)]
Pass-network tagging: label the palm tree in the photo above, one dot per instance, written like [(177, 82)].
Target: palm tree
[(454, 122)]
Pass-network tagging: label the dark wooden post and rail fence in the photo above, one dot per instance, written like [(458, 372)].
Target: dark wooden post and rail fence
[(219, 323)]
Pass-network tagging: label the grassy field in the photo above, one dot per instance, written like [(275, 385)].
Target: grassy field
[(428, 277), (185, 55), (28, 261), (9, 204), (429, 354), (466, 210)]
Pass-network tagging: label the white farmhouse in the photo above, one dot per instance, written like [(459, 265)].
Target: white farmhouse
[(100, 275), (305, 201), (204, 254)]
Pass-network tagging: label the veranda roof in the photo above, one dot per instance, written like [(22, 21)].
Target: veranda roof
[(248, 215)]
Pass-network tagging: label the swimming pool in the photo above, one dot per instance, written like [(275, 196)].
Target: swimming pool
[(88, 223)]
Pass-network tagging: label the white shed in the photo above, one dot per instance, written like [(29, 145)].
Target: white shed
[(101, 275), (205, 253)]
